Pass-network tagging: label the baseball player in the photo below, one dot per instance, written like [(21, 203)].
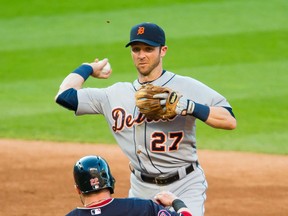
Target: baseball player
[(95, 184), (162, 152)]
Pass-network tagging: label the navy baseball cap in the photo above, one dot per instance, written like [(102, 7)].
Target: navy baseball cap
[(148, 33)]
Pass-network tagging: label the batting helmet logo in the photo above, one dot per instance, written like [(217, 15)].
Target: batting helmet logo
[(94, 183)]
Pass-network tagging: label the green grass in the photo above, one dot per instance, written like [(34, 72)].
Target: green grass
[(229, 45)]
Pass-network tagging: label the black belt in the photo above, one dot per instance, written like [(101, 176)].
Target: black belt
[(165, 179)]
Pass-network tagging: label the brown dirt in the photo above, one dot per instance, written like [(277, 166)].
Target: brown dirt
[(36, 179)]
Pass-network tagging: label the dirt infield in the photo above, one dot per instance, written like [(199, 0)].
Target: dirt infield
[(36, 179)]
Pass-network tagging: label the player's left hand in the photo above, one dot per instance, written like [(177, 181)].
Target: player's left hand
[(157, 102)]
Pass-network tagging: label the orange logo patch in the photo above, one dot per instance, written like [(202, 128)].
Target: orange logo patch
[(141, 30)]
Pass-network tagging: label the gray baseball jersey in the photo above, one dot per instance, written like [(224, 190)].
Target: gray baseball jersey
[(155, 147)]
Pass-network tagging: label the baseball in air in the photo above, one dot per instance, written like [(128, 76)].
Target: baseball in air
[(106, 68)]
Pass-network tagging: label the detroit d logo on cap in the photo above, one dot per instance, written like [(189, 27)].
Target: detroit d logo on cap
[(141, 30)]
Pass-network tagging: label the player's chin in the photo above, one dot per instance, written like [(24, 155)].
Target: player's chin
[(144, 69)]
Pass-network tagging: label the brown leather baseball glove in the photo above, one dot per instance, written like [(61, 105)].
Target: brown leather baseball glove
[(157, 102)]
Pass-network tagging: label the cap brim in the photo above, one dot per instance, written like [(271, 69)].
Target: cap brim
[(151, 43)]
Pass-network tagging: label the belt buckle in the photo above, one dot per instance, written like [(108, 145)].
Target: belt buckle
[(165, 179), (160, 180)]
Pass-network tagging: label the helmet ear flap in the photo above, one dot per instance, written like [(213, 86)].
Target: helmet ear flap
[(92, 173)]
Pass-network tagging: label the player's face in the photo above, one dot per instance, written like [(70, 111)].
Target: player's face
[(148, 59)]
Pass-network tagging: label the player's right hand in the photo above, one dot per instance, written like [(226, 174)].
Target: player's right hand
[(97, 69)]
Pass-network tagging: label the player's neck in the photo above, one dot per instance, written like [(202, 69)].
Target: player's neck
[(146, 75), (93, 199), (149, 79)]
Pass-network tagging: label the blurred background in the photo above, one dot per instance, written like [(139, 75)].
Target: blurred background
[(237, 47)]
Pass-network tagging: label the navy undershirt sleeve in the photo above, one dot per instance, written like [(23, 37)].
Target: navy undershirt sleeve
[(68, 99)]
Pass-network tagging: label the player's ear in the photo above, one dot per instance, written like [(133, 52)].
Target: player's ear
[(163, 50), (77, 189)]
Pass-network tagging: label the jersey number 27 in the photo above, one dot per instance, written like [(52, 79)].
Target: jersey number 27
[(159, 141)]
